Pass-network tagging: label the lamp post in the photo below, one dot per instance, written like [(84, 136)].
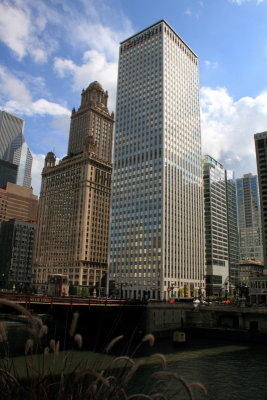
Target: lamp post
[(226, 290)]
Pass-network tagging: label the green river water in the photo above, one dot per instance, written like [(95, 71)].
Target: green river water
[(229, 371)]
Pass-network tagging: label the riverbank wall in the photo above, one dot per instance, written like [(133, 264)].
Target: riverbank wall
[(247, 324)]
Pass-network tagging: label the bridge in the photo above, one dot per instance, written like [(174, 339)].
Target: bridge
[(103, 319), (100, 320), (30, 300)]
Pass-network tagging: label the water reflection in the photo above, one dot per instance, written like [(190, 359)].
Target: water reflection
[(228, 371)]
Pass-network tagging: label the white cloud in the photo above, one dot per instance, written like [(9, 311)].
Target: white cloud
[(17, 98), (240, 2), (37, 166), (188, 12), (211, 64), (95, 67), (40, 107), (22, 25), (94, 30), (100, 27), (228, 127), (34, 28), (13, 88), (14, 28)]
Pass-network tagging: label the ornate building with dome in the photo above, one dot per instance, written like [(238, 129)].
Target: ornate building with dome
[(74, 207)]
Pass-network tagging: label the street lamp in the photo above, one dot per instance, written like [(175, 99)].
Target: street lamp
[(226, 290)]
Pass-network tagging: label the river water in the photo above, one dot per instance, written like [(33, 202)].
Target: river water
[(229, 371)]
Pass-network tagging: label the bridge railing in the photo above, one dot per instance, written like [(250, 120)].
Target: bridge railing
[(28, 299)]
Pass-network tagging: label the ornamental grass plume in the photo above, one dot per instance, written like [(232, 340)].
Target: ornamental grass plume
[(113, 342), (29, 346), (3, 332), (150, 339), (74, 323), (52, 374), (79, 340)]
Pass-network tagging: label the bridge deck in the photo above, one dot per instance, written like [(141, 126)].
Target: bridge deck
[(27, 300)]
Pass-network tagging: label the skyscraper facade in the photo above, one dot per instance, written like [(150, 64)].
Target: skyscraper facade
[(74, 211), (8, 173), (261, 154), (16, 252), (157, 238), (10, 127), (14, 150), (18, 202), (215, 206), (20, 155), (232, 228), (249, 218)]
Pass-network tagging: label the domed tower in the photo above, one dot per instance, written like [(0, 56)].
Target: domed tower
[(50, 160), (75, 197), (94, 95), (92, 119)]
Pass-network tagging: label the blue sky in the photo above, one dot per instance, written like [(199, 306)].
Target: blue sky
[(51, 49)]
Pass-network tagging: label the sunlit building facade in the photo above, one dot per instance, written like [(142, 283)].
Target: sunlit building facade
[(18, 202), (157, 236), (216, 227), (14, 150), (20, 155), (74, 211), (10, 127)]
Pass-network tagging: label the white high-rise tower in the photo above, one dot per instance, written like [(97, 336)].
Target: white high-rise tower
[(157, 240)]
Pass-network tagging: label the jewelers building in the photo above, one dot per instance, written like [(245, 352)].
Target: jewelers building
[(74, 208)]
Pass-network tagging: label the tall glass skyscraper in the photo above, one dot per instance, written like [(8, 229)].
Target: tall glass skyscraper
[(157, 239), (20, 155), (217, 258), (10, 127), (232, 227), (14, 150), (249, 218)]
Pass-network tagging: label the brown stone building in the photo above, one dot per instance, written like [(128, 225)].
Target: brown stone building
[(18, 202), (74, 210)]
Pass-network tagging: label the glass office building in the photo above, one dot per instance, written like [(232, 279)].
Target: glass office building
[(20, 155), (14, 150), (10, 127), (232, 227), (8, 173), (157, 238), (217, 259), (249, 218)]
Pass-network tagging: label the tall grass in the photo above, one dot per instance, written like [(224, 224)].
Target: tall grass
[(46, 371)]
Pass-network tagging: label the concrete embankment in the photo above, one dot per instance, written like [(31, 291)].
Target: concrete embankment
[(216, 321)]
